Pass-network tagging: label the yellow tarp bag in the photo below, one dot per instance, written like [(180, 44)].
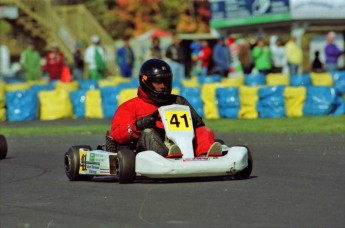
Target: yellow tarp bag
[(233, 81), (2, 114), (68, 86), (119, 79), (248, 98), (294, 100), (2, 87), (2, 100), (105, 82), (321, 79), (17, 86), (127, 94), (208, 96), (55, 104), (93, 104), (175, 91), (190, 83), (273, 79), (2, 95)]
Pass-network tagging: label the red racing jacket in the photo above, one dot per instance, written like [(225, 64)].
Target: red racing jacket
[(124, 131)]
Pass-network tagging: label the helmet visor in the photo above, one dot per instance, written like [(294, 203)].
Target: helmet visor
[(156, 83)]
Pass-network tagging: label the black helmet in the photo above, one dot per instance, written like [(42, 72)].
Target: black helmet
[(156, 70)]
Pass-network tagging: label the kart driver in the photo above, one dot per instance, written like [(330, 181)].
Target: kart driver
[(136, 121)]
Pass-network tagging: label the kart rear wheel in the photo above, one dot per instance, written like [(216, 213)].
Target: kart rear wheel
[(72, 164), (125, 166), (3, 147), (245, 174)]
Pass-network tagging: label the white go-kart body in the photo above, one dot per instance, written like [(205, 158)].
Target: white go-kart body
[(82, 163)]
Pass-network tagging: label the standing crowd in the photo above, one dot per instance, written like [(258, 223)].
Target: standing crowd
[(206, 58)]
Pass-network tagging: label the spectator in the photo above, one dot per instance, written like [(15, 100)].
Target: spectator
[(177, 55), (332, 53), (155, 51), (262, 56), (221, 57), (195, 48), (30, 61), (54, 62), (245, 56), (125, 59), (205, 56), (78, 68), (279, 60), (294, 56), (4, 61), (95, 59), (317, 65)]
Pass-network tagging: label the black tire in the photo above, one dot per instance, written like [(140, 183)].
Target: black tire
[(245, 174), (125, 166), (72, 164), (3, 147)]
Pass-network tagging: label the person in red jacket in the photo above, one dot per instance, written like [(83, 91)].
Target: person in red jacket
[(205, 56), (136, 121), (54, 63)]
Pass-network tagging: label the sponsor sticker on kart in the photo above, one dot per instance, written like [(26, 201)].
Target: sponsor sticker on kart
[(93, 162), (178, 120)]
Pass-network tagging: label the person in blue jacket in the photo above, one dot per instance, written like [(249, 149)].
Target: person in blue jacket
[(125, 59), (221, 57)]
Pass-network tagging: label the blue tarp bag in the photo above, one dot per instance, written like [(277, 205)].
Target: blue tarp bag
[(339, 81), (193, 96), (22, 105), (228, 102), (78, 102), (110, 95), (209, 79), (339, 106), (128, 85), (254, 79), (88, 84), (271, 103), (300, 80), (39, 88), (322, 100)]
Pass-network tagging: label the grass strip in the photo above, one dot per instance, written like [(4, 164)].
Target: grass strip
[(314, 124)]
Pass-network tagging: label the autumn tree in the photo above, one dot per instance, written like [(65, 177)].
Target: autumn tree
[(134, 17)]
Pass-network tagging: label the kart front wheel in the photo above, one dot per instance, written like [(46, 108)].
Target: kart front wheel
[(245, 174), (125, 166), (72, 164), (3, 147)]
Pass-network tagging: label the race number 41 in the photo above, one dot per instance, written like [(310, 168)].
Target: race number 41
[(178, 120)]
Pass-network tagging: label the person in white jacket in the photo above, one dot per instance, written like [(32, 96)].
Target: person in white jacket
[(279, 59), (95, 59)]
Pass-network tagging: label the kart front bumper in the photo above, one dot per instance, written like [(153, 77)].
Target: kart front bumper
[(153, 165)]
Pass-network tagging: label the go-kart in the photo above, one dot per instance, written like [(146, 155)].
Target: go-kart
[(3, 147), (83, 163)]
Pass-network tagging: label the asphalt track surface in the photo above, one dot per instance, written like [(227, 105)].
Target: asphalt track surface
[(298, 180)]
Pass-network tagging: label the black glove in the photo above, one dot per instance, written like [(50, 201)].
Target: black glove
[(147, 121)]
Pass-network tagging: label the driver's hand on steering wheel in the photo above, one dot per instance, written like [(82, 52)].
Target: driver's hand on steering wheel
[(148, 121)]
